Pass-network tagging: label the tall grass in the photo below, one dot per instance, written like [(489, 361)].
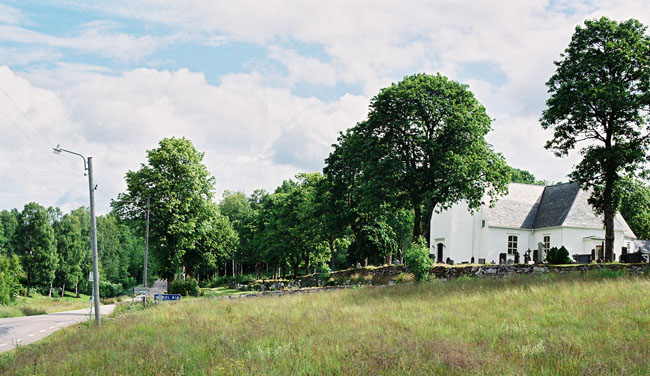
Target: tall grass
[(542, 325)]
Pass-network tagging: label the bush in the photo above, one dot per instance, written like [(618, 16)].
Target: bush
[(109, 290), (324, 272), (558, 256), (417, 260), (188, 287), (10, 273), (402, 278)]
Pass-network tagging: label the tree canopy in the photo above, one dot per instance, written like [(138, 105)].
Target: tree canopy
[(600, 98), (180, 189), (423, 147)]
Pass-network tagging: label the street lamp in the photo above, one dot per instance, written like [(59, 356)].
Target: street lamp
[(88, 166)]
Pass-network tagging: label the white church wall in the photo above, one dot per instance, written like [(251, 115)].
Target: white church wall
[(454, 228), (496, 242)]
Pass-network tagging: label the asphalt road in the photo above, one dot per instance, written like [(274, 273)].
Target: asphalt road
[(18, 331)]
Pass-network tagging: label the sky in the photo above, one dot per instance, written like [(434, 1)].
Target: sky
[(261, 87)]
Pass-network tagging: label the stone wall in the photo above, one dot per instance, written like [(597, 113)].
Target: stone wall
[(386, 274)]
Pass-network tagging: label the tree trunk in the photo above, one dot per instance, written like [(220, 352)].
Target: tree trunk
[(426, 228), (63, 290), (330, 241), (417, 222), (50, 293), (76, 289), (608, 211), (233, 267)]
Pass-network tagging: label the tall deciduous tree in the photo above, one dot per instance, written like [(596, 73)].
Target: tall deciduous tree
[(34, 242), (180, 190), (424, 148), (70, 246), (600, 94), (8, 222)]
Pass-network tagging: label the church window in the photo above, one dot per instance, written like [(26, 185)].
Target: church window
[(512, 244), (547, 243)]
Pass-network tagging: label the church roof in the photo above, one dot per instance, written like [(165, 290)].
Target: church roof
[(532, 207)]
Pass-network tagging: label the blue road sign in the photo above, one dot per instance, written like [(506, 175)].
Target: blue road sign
[(167, 297)]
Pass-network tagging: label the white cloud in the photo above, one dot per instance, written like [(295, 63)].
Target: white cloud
[(239, 124), (98, 38), (10, 15), (254, 131)]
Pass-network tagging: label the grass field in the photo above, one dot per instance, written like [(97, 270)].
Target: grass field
[(39, 304), (579, 324)]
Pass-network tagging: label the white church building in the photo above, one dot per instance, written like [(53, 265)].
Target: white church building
[(529, 217)]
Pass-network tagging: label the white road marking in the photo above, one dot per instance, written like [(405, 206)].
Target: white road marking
[(42, 331), (3, 344), (31, 335), (51, 327)]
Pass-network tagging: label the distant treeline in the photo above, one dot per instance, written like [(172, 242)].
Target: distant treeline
[(47, 250)]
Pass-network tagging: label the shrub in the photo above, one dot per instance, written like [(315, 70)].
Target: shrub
[(558, 256), (324, 272), (10, 273), (402, 278), (417, 260), (109, 290), (188, 287)]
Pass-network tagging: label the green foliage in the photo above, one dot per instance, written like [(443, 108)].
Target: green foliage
[(227, 280), (8, 224), (289, 229), (417, 260), (610, 273), (70, 247), (423, 147), (600, 94), (10, 274), (324, 272), (35, 244), (524, 176), (180, 189), (109, 289), (558, 256), (402, 278), (187, 287), (635, 207)]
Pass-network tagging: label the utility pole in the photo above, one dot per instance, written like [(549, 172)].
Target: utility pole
[(88, 166), (93, 235), (146, 246)]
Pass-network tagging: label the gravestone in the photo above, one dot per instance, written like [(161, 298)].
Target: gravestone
[(540, 253)]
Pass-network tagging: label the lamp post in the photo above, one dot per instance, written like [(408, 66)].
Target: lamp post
[(88, 166)]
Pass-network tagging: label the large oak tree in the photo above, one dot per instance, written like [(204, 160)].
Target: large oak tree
[(600, 98), (423, 147)]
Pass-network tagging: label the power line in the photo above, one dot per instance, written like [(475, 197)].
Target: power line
[(38, 146), (47, 140)]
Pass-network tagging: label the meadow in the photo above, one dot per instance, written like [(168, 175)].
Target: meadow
[(577, 324), (38, 304)]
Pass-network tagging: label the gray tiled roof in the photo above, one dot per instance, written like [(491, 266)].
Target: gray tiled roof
[(533, 206)]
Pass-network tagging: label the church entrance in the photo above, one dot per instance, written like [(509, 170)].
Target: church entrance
[(439, 255)]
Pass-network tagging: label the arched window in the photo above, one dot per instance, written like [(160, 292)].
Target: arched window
[(512, 244)]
